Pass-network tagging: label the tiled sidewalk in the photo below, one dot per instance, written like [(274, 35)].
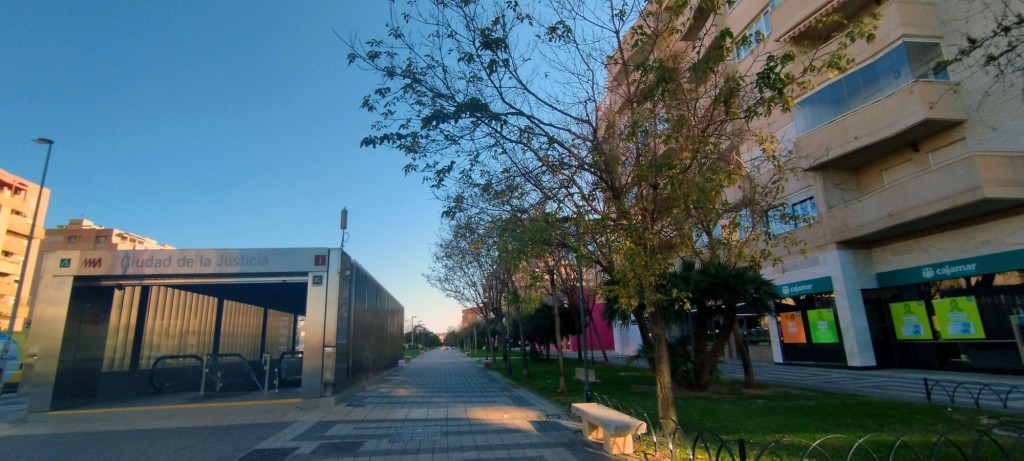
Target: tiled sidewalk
[(442, 406)]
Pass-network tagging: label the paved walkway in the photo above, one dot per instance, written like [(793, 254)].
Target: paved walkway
[(442, 406)]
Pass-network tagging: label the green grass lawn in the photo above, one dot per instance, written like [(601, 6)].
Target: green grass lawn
[(770, 413)]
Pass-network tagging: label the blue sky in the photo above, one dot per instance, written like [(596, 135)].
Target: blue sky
[(214, 124)]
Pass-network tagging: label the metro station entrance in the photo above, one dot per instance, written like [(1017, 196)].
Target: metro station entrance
[(112, 325), (157, 335)]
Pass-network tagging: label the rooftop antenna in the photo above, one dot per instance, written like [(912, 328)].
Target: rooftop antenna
[(344, 227)]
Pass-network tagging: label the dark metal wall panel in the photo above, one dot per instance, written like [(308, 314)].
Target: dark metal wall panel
[(376, 336), (241, 330), (177, 323), (279, 332), (121, 333)]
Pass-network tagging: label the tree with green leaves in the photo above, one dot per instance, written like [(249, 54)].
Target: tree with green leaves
[(462, 260), (621, 119), (993, 37)]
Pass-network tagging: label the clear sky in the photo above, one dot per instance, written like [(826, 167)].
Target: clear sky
[(214, 124)]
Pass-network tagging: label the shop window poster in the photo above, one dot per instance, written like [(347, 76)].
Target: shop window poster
[(823, 326), (958, 318), (910, 319), (792, 326)]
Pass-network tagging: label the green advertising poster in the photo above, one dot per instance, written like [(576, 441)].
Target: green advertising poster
[(823, 326), (958, 318), (910, 319)]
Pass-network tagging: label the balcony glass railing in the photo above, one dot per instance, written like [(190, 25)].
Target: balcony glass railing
[(906, 62)]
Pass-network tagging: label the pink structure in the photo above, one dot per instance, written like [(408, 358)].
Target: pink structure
[(599, 333)]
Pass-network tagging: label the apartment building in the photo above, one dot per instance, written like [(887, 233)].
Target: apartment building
[(469, 317), (83, 234), (17, 205), (912, 185)]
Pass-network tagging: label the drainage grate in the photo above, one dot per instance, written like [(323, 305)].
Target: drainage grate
[(408, 434)]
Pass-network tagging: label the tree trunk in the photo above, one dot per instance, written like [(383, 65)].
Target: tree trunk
[(707, 360), (645, 336), (593, 328), (503, 334), (662, 374), (522, 343), (744, 354), (562, 389), (701, 369)]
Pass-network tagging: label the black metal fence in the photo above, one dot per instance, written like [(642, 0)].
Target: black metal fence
[(982, 394), (997, 443)]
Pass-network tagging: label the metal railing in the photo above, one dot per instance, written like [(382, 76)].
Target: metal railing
[(175, 373), (1005, 394), (216, 372), (231, 373), (1005, 442), (289, 369)]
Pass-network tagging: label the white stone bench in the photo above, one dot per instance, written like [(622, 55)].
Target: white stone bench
[(614, 429)]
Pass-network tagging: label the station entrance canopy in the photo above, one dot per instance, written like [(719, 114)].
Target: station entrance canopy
[(108, 325)]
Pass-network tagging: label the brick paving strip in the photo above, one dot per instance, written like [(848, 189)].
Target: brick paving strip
[(442, 406)]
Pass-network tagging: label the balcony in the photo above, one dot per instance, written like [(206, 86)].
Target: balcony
[(902, 119), (18, 225), (9, 267), (696, 18), (14, 244), (956, 191), (807, 20)]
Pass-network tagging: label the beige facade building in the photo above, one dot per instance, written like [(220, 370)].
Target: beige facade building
[(912, 185), (82, 234), (17, 205)]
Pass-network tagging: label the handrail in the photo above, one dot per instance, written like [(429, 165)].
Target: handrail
[(215, 361), (163, 387), (283, 378)]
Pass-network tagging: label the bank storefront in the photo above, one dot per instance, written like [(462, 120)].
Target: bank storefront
[(808, 329), (963, 314)]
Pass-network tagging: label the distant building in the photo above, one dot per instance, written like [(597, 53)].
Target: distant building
[(17, 205), (82, 234), (470, 316)]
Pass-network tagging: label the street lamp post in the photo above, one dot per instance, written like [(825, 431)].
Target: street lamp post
[(24, 261), (412, 331)]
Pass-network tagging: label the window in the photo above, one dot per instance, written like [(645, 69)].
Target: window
[(101, 239), (757, 33), (796, 215), (744, 224), (906, 62), (72, 239)]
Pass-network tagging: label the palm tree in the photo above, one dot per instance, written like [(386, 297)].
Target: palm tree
[(717, 290)]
